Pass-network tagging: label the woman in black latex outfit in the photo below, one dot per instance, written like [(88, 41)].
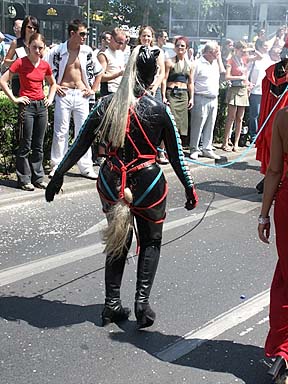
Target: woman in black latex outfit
[(130, 183)]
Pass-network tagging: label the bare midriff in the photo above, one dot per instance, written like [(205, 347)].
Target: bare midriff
[(177, 84), (72, 76)]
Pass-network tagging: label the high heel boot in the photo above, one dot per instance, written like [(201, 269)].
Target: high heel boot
[(278, 368), (146, 270), (113, 311)]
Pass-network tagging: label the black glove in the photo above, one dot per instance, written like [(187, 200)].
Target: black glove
[(54, 186), (192, 199)]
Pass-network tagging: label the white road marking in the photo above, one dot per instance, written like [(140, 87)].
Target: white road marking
[(215, 327), (246, 204), (95, 228), (20, 272), (23, 271)]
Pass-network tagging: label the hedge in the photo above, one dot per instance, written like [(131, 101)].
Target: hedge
[(8, 134)]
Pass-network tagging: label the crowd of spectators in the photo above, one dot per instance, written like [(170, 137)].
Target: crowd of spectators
[(187, 81)]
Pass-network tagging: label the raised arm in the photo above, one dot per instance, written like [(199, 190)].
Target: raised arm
[(9, 58)]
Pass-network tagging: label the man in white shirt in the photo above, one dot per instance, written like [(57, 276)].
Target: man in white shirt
[(206, 75), (256, 75), (112, 61)]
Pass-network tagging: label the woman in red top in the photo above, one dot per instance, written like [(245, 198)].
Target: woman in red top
[(33, 107), (237, 95)]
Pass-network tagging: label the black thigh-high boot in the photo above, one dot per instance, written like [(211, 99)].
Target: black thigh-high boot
[(146, 270), (113, 311)]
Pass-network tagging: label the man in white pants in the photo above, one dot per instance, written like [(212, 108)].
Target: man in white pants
[(78, 76), (206, 76)]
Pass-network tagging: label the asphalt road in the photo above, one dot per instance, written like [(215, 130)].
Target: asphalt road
[(211, 292)]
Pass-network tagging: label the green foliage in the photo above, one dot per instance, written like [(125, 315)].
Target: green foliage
[(132, 12), (8, 121), (206, 5), (8, 130)]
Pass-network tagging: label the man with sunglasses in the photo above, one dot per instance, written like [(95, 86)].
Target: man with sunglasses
[(112, 61), (78, 76)]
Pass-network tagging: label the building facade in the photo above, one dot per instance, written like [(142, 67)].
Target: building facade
[(53, 15), (233, 18)]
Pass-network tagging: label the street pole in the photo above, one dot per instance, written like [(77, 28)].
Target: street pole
[(3, 17), (170, 19), (88, 21), (251, 20)]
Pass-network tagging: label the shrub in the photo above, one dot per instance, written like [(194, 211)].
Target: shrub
[(8, 122), (8, 134)]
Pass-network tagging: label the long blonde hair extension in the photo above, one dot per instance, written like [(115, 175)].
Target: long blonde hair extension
[(114, 122), (113, 127)]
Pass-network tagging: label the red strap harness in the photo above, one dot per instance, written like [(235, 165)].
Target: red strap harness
[(128, 168)]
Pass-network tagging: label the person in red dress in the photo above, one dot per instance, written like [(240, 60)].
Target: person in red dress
[(274, 86), (276, 345)]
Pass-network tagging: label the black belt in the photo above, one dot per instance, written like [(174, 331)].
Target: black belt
[(176, 89)]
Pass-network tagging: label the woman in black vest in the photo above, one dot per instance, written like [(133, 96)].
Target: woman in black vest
[(19, 47)]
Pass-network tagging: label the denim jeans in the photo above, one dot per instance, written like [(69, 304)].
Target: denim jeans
[(254, 110), (29, 159)]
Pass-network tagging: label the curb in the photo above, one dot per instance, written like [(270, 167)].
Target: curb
[(81, 184), (21, 197)]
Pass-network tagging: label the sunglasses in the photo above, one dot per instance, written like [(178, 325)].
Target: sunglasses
[(118, 42), (29, 27), (180, 45), (83, 34)]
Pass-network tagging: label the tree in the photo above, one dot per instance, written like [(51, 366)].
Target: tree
[(132, 12)]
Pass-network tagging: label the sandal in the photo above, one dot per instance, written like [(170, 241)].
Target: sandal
[(226, 148), (235, 149)]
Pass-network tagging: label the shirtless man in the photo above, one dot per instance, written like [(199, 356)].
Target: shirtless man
[(78, 75)]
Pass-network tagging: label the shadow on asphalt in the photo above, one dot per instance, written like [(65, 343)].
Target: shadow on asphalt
[(8, 183), (230, 189), (245, 362), (42, 313)]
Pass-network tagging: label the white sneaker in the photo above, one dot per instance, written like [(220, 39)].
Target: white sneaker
[(51, 173), (90, 174), (194, 155), (210, 154)]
